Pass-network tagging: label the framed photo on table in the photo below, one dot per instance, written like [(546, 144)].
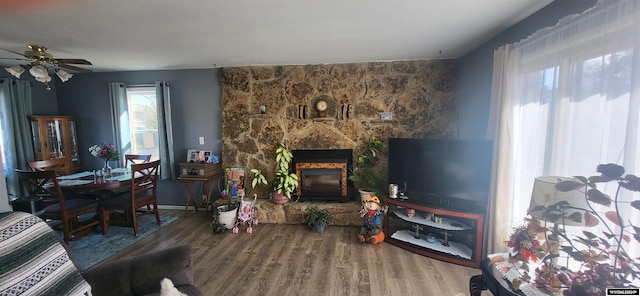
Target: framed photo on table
[(205, 156), (193, 155)]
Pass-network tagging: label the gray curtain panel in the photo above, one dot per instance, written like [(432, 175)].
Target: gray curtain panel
[(165, 131), (15, 109)]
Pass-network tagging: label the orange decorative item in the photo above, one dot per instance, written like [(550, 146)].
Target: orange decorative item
[(372, 215)]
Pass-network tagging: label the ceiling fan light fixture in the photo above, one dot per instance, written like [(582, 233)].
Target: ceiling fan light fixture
[(63, 75), (39, 72), (16, 71), (44, 79), (40, 63)]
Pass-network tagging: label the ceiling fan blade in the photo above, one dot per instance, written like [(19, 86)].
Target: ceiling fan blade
[(17, 59), (74, 61), (74, 68), (18, 53)]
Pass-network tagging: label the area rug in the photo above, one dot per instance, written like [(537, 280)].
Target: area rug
[(95, 247)]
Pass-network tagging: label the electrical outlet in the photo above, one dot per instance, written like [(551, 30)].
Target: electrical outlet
[(201, 140), (204, 198)]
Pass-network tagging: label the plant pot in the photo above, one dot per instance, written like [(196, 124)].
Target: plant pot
[(227, 217), (279, 199), (364, 192), (319, 228)]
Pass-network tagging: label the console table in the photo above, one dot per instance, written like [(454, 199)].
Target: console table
[(206, 183)]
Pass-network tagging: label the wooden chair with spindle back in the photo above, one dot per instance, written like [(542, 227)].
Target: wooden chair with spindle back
[(59, 165), (45, 184), (143, 194), (136, 159)]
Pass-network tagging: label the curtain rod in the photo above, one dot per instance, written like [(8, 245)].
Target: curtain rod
[(140, 85)]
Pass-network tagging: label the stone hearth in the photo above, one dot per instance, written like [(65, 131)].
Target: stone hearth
[(293, 212)]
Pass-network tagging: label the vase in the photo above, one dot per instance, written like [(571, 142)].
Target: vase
[(106, 170), (319, 228), (227, 215), (279, 199)]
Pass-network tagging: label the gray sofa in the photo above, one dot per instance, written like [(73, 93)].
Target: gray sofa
[(34, 261), (141, 275)]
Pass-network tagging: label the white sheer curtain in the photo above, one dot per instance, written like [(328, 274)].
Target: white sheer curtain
[(563, 101)]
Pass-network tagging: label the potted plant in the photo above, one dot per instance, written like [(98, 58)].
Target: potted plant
[(284, 182), (226, 214), (367, 171), (596, 259), (318, 219)]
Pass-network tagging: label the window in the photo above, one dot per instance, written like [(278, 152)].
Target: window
[(141, 116), (568, 100), (139, 126)]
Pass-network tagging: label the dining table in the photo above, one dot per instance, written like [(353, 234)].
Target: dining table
[(88, 182)]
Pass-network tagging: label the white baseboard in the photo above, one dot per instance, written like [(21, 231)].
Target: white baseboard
[(170, 207)]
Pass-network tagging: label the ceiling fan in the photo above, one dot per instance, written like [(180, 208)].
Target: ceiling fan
[(38, 60)]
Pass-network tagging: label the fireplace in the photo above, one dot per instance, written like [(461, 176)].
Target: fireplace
[(323, 174)]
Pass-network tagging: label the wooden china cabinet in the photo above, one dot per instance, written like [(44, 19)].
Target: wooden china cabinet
[(55, 137)]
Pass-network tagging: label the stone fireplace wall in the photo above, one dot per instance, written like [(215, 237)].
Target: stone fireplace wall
[(421, 95)]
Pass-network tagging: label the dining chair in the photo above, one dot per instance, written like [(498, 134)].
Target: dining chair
[(139, 201), (59, 165), (67, 211), (136, 159)]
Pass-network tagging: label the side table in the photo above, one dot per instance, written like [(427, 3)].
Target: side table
[(206, 183), (492, 280)]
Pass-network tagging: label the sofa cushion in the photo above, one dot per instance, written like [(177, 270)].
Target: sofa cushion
[(33, 262), (148, 270), (112, 278), (141, 275)]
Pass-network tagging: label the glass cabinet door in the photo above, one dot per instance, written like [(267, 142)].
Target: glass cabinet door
[(73, 150), (55, 137), (37, 143)]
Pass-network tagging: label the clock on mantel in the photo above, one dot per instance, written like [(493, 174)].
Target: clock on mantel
[(321, 106)]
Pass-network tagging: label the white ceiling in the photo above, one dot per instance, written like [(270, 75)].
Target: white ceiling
[(120, 35)]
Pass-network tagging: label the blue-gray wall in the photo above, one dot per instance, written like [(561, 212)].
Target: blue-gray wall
[(196, 96), (476, 68), (196, 111), (44, 101)]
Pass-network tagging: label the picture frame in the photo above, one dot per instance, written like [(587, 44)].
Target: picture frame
[(193, 155), (205, 156), (235, 176), (386, 116)]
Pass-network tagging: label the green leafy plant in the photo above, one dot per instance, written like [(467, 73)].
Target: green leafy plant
[(314, 216), (367, 171), (603, 259), (258, 178), (284, 183)]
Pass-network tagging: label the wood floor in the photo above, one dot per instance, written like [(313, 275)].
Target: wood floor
[(292, 260)]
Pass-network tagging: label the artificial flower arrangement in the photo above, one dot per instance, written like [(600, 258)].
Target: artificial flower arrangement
[(106, 152), (524, 242), (599, 261)]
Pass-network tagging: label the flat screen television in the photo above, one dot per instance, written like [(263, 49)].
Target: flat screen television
[(446, 173)]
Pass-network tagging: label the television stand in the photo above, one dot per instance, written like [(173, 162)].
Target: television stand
[(443, 234)]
